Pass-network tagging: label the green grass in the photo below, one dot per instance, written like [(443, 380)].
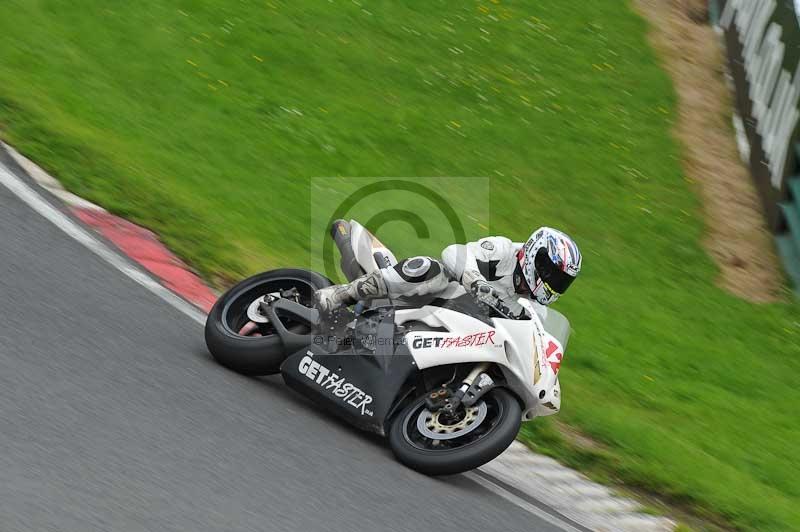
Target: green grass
[(205, 121)]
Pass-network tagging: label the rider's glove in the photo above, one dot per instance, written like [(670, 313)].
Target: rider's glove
[(486, 294)]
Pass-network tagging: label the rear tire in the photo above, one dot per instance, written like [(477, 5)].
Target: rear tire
[(416, 451), (255, 355)]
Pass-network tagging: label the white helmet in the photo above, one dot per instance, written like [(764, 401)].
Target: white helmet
[(549, 261)]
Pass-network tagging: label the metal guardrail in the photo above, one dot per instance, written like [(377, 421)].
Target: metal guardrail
[(762, 39)]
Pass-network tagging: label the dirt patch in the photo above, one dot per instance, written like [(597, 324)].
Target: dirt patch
[(737, 237), (577, 439)]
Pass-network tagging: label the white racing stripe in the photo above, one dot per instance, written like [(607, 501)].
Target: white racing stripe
[(520, 502), (36, 202)]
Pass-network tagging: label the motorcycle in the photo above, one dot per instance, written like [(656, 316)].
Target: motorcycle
[(449, 380)]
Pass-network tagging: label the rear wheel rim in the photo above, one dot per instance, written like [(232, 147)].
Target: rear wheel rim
[(236, 322)]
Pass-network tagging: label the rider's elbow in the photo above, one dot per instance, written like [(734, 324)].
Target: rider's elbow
[(453, 259)]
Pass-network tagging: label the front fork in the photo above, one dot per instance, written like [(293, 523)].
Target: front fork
[(472, 388)]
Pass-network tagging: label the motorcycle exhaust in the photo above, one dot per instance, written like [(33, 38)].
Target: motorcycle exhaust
[(340, 231)]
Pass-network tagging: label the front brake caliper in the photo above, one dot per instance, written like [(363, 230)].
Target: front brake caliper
[(443, 400)]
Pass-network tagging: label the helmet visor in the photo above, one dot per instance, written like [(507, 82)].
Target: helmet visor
[(549, 272)]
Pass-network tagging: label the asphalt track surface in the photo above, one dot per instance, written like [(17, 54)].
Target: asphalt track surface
[(114, 417)]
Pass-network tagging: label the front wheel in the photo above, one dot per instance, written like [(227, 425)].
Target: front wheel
[(240, 337), (426, 442)]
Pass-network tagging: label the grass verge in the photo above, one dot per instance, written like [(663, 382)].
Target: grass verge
[(205, 121)]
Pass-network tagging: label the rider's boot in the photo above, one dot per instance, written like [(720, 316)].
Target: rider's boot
[(366, 287)]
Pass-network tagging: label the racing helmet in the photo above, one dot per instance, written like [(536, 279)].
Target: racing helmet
[(549, 261)]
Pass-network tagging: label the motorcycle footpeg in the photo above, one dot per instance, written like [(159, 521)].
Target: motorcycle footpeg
[(290, 293)]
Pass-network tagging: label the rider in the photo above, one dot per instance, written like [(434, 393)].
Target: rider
[(492, 268)]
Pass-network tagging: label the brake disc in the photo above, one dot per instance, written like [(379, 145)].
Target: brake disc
[(254, 311), (429, 425)]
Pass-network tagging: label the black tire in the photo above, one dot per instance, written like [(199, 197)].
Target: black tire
[(498, 435), (255, 355)]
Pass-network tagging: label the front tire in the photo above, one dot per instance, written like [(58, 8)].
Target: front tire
[(261, 353), (422, 443)]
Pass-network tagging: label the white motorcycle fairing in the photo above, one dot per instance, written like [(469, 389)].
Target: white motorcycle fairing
[(528, 356)]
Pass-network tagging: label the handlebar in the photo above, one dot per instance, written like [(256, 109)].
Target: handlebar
[(496, 305)]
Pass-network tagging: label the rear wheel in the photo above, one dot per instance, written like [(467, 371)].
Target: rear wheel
[(431, 444), (240, 337)]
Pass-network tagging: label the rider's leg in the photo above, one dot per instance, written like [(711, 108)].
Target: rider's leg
[(417, 276), (411, 277), (369, 286)]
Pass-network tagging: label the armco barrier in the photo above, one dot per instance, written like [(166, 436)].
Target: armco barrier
[(762, 38)]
